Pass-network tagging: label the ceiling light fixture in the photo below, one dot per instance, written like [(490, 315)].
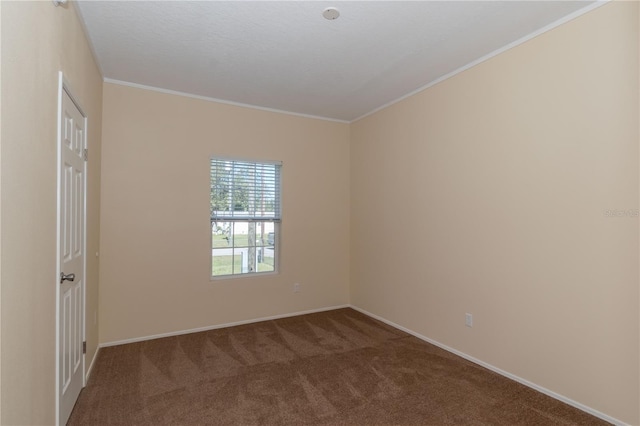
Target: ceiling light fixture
[(331, 13)]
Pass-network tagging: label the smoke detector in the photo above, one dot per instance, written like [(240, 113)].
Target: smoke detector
[(331, 13)]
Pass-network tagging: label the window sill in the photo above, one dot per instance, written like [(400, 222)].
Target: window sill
[(248, 275)]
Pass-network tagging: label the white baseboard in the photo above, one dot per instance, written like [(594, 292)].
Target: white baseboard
[(93, 361), (215, 327), (527, 383)]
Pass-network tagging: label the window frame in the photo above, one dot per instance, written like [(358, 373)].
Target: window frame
[(276, 220)]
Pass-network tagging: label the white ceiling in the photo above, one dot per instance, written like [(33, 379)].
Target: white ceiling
[(284, 55)]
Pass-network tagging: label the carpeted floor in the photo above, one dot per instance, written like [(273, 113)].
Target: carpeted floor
[(338, 367)]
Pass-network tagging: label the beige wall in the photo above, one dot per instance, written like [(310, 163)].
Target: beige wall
[(487, 194), (155, 247), (38, 40)]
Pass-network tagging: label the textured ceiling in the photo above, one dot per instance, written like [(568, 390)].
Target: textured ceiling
[(286, 56)]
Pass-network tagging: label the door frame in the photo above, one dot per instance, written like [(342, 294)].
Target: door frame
[(65, 87)]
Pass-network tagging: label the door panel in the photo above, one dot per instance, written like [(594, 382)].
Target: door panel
[(71, 224)]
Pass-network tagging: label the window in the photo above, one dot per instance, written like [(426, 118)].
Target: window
[(245, 217)]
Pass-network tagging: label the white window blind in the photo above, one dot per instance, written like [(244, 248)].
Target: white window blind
[(244, 191)]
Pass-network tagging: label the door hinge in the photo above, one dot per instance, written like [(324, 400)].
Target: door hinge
[(85, 154), (84, 347)]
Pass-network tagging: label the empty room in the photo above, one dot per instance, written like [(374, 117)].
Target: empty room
[(311, 212)]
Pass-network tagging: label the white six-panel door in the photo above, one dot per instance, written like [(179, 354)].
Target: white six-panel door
[(71, 256)]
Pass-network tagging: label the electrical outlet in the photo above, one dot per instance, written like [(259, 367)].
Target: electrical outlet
[(468, 320), (296, 288)]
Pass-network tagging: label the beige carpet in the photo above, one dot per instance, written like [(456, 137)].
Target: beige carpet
[(338, 367)]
